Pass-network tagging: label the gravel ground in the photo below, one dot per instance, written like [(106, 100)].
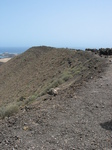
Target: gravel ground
[(81, 121)]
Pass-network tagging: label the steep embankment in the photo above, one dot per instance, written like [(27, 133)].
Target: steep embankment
[(37, 70)]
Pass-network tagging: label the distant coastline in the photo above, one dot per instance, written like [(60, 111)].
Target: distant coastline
[(9, 52), (4, 60), (12, 50), (7, 55)]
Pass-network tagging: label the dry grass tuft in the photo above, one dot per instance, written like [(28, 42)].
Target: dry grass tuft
[(9, 110)]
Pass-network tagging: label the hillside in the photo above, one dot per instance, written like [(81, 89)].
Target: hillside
[(78, 117), (1, 63), (37, 70)]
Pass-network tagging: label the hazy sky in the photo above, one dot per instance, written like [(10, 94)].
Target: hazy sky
[(58, 23)]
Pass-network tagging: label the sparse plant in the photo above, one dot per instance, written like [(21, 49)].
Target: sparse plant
[(30, 99), (52, 84), (66, 77), (7, 111)]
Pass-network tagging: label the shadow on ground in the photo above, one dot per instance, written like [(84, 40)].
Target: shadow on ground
[(107, 125)]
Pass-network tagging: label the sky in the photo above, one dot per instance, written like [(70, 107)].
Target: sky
[(57, 23)]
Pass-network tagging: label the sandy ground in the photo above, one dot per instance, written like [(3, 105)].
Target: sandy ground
[(5, 60)]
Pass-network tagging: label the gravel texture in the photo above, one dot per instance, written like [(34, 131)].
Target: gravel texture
[(81, 120)]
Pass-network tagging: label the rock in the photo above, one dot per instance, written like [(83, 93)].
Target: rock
[(53, 91), (22, 98), (97, 106), (25, 128)]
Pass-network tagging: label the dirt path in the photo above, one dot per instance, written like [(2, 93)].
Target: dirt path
[(81, 122)]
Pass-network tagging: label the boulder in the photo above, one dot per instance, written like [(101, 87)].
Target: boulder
[(53, 91)]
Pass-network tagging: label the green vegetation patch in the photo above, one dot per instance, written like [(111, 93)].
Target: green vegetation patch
[(66, 75), (30, 100), (9, 110)]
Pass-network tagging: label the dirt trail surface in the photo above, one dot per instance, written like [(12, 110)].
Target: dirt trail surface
[(81, 120)]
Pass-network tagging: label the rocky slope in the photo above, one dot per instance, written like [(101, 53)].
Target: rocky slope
[(79, 117), (37, 70)]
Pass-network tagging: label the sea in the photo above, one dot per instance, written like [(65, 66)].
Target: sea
[(19, 50), (12, 50)]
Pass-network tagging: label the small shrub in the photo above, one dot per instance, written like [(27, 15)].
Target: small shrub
[(8, 110), (31, 99), (76, 70), (53, 84), (56, 83), (66, 77)]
